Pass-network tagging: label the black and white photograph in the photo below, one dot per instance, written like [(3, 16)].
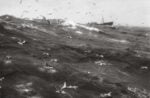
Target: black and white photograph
[(74, 48)]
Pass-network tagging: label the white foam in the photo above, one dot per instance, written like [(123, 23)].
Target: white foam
[(79, 32), (74, 25), (120, 41), (70, 23), (89, 28)]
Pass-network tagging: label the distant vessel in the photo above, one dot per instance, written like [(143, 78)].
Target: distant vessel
[(106, 23)]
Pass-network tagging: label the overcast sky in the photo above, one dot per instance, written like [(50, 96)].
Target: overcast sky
[(131, 12)]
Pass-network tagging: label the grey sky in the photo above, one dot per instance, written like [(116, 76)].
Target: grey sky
[(131, 12)]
